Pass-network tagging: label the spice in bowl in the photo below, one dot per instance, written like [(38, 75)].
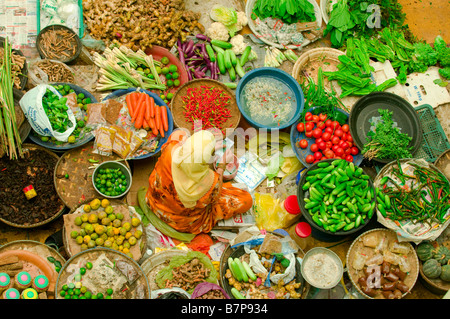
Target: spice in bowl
[(58, 43), (322, 268)]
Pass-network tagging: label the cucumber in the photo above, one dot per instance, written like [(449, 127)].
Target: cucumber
[(221, 44), (230, 261), (221, 63), (249, 271), (236, 294), (245, 54), (210, 51), (227, 59), (242, 269), (230, 85), (232, 57), (232, 73), (217, 49), (235, 269), (239, 70)]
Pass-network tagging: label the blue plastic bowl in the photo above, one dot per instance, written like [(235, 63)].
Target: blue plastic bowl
[(158, 101), (277, 74), (301, 153), (67, 146)]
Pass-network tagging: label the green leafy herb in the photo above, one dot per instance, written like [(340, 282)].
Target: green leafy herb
[(288, 11), (387, 142)]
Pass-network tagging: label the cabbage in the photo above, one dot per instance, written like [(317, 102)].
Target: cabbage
[(225, 15)]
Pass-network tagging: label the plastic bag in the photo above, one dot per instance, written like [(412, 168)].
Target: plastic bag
[(274, 165), (269, 212), (31, 104), (203, 287), (38, 76)]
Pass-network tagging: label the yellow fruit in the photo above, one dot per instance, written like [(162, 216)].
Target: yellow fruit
[(71, 139), (110, 231), (100, 229), (132, 240), (130, 255), (116, 231), (84, 247), (101, 215), (99, 241), (93, 218), (127, 226), (91, 244), (89, 229), (107, 243), (126, 244), (116, 223), (95, 204), (112, 217), (74, 234), (86, 239), (78, 221), (104, 236), (120, 247), (79, 240), (119, 241), (87, 208), (94, 236), (138, 234), (128, 235), (123, 231), (106, 221), (119, 216), (125, 250), (83, 232), (135, 221), (105, 202), (115, 246), (109, 209)]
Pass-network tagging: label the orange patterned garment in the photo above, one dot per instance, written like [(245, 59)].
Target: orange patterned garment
[(222, 201)]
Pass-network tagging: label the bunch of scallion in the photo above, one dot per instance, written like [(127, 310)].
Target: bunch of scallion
[(119, 69), (11, 143)]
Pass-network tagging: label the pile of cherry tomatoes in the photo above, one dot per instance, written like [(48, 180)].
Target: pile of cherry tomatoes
[(332, 140)]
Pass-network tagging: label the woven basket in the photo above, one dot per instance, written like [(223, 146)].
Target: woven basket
[(177, 105)]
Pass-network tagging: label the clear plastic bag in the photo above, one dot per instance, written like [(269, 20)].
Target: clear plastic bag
[(269, 212)]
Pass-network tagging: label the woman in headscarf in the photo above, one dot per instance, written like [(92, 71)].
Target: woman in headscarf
[(185, 192)]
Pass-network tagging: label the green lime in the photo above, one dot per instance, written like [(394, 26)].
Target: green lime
[(88, 295), (165, 70), (169, 83), (176, 82), (62, 293), (77, 292), (82, 270), (170, 95), (165, 60), (67, 296), (158, 69), (175, 75), (109, 291), (89, 265), (100, 295), (168, 76), (173, 68)]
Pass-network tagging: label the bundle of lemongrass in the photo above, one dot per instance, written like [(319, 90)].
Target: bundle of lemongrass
[(11, 143)]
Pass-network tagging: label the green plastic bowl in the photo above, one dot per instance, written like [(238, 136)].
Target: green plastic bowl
[(113, 165)]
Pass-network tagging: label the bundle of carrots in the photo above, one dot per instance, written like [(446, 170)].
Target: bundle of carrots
[(146, 114)]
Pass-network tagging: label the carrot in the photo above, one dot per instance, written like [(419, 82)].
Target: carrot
[(165, 121), (161, 131), (147, 107), (157, 117), (139, 102), (145, 125), (140, 116), (153, 126), (152, 107), (130, 104)]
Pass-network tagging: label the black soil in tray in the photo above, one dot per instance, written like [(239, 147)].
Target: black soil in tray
[(35, 169)]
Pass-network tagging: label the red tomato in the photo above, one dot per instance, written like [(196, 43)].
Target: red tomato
[(338, 132), (317, 132), (308, 116), (344, 145), (334, 147), (349, 158), (308, 134), (339, 151), (309, 126), (315, 118), (318, 156), (309, 159), (335, 140), (303, 143), (321, 125), (354, 150), (345, 128), (301, 127), (314, 148), (322, 117), (335, 125), (349, 138), (326, 136), (322, 145), (329, 154), (328, 144), (328, 130), (328, 123)]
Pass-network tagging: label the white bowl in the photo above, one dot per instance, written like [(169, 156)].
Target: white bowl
[(331, 256)]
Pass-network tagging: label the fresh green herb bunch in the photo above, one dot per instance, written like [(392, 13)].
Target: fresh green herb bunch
[(56, 110), (288, 11), (387, 142)]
